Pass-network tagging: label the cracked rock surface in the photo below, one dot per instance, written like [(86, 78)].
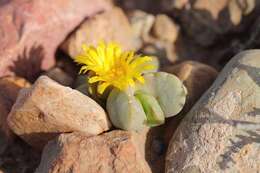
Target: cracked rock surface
[(48, 108), (222, 131), (113, 152)]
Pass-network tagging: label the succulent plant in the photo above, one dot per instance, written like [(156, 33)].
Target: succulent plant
[(125, 111), (136, 94), (167, 89), (152, 109), (81, 84), (163, 95)]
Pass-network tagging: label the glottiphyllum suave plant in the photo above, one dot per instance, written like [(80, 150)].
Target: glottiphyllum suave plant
[(136, 95)]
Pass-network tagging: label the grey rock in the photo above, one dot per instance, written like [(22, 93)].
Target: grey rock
[(222, 131), (141, 23), (60, 76)]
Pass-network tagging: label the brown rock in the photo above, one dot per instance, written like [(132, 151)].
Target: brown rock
[(221, 132), (10, 87), (109, 26), (14, 154), (60, 76), (113, 152), (66, 64), (32, 30), (165, 29), (48, 108), (19, 158)]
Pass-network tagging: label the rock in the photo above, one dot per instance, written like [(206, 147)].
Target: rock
[(111, 25), (151, 6), (156, 34), (10, 87), (163, 50), (14, 156), (249, 40), (60, 76), (238, 9), (153, 147), (197, 77), (252, 39), (48, 108), (221, 133), (19, 158), (32, 30), (165, 29), (141, 23), (113, 152), (159, 42), (82, 85), (206, 21), (66, 64), (3, 141)]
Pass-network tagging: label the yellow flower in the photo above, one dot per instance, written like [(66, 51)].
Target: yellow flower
[(113, 67)]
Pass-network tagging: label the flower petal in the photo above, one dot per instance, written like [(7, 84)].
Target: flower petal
[(102, 87)]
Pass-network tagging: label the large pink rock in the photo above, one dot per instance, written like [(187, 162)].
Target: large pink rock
[(31, 31)]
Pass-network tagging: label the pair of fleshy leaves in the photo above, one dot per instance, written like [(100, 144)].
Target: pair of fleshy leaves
[(163, 95)]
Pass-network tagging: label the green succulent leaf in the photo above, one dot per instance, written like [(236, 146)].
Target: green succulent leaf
[(125, 111), (168, 90), (151, 108)]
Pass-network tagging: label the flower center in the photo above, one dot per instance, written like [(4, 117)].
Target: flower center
[(112, 67), (116, 72)]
